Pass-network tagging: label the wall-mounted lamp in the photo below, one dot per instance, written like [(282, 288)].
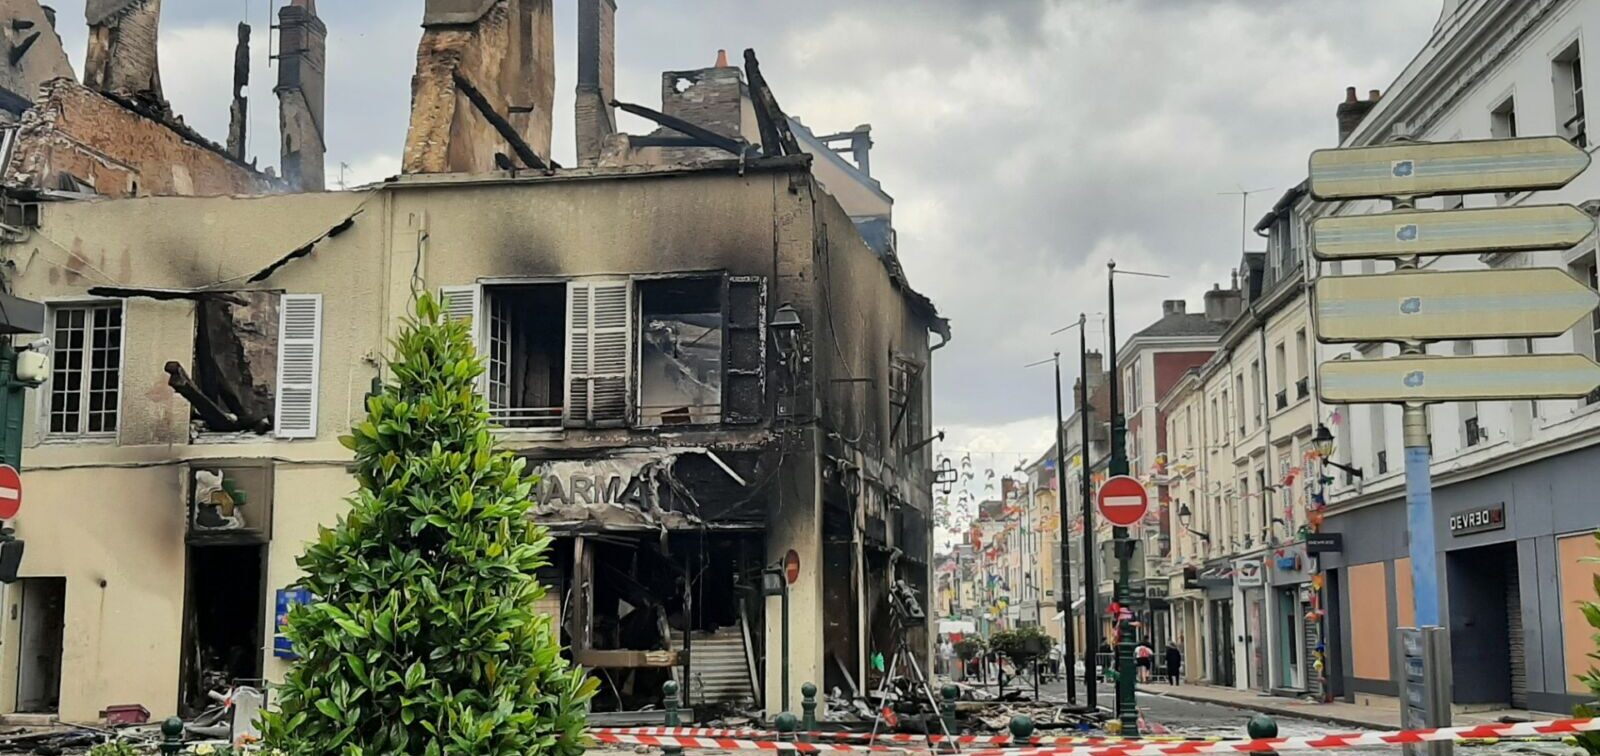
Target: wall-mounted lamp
[(785, 328), (1323, 442), (1184, 516)]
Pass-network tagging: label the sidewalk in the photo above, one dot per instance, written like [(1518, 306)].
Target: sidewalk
[(1380, 714)]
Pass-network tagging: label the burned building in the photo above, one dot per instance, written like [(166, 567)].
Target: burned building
[(712, 358)]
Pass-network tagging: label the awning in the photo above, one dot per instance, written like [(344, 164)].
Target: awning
[(19, 315)]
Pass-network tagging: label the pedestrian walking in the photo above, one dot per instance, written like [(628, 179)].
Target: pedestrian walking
[(1174, 664), (1145, 656)]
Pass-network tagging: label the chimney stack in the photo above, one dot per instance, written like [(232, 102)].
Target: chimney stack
[(1173, 307), (1353, 110), (597, 66), (122, 50), (1224, 305), (302, 77), (503, 49)]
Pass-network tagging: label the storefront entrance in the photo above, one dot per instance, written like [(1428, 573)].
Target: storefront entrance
[(1222, 643), (1290, 624), (1486, 643)]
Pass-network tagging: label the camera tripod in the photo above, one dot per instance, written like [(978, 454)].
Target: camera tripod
[(903, 618)]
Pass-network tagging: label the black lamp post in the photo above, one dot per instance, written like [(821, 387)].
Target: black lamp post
[(1323, 441), (1184, 516)]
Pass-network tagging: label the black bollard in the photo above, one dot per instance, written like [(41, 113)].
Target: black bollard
[(669, 696), (171, 736)]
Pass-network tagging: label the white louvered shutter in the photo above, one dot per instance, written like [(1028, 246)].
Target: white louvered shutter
[(599, 353), (466, 303), (299, 364)]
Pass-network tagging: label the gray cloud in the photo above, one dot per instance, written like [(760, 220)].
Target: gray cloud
[(1025, 141)]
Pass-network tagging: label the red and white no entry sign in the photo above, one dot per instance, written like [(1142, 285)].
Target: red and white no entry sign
[(1123, 501), (10, 492)]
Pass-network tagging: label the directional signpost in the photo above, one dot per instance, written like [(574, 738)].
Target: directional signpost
[(1414, 307), (1465, 304)]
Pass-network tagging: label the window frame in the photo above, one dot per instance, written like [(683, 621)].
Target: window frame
[(1566, 67), (53, 308)]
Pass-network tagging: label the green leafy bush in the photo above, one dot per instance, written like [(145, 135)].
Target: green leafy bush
[(423, 638), (1590, 741), (970, 647), (114, 748), (1021, 645)]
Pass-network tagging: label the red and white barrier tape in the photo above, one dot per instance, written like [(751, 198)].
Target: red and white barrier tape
[(749, 740), (732, 744), (884, 737), (1321, 742)]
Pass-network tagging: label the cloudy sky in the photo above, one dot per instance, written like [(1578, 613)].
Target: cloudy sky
[(1026, 142)]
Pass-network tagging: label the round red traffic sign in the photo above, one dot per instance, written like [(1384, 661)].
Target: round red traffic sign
[(1123, 501), (10, 492), (791, 566)]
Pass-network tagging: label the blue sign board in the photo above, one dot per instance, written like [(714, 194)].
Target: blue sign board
[(288, 598)]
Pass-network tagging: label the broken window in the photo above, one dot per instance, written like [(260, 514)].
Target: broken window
[(680, 351), (564, 354), (905, 398), (256, 361), (86, 371), (526, 366), (235, 363)]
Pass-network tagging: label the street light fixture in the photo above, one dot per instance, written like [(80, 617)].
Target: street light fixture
[(1184, 516), (1323, 441)]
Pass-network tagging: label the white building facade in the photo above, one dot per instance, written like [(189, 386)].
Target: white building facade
[(1491, 69)]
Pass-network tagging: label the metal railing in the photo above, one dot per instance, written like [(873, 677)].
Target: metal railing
[(1283, 399), (1302, 388), (526, 417)]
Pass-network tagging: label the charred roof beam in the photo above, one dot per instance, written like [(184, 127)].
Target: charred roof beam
[(704, 135)]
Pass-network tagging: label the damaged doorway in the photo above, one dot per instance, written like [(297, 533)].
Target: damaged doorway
[(223, 621), (39, 648), (687, 608)]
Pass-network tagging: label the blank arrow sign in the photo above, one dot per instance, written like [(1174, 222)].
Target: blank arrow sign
[(1429, 306), (1458, 379), (1421, 169), (1450, 232)]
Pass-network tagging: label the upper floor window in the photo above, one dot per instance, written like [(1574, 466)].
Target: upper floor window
[(256, 364), (598, 353), (1503, 119), (1280, 367), (1567, 78), (86, 374)]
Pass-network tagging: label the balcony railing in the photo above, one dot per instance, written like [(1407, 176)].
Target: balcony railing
[(526, 417), (1302, 388), (1383, 462), (1283, 398)]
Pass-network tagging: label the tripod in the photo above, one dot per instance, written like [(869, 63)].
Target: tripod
[(903, 617)]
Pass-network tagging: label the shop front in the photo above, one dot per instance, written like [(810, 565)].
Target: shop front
[(1515, 551)]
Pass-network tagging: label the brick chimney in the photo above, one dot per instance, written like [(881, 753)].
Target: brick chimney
[(302, 77), (597, 75), (715, 98), (1223, 305), (1173, 307), (1353, 109), (122, 50), (506, 50)]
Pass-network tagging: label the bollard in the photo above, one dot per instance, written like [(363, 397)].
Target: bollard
[(1262, 726), (786, 724), (669, 696), (948, 713), (171, 736), (808, 707), (1021, 730)]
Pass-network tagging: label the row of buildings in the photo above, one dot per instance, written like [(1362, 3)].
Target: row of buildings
[(701, 338), (1275, 555)]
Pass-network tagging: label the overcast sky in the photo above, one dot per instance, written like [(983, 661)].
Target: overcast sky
[(1025, 141)]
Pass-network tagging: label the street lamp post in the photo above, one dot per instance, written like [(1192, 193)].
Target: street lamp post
[(1065, 516), (1127, 706)]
